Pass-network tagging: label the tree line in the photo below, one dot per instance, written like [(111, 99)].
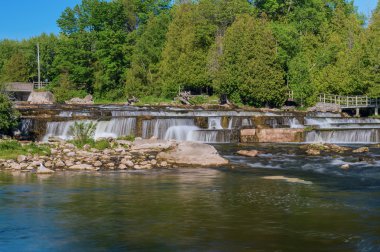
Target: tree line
[(254, 51)]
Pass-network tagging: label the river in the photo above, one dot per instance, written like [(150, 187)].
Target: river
[(221, 209)]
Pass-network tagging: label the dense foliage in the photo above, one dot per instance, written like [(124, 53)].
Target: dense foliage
[(8, 115), (254, 51)]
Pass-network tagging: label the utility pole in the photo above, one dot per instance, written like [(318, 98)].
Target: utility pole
[(38, 63)]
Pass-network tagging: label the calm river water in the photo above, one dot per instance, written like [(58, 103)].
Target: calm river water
[(225, 209)]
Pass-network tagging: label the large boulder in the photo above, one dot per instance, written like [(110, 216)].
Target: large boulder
[(249, 153), (361, 150), (152, 145), (43, 170), (193, 154), (41, 98)]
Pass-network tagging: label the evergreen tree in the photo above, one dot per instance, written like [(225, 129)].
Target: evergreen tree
[(143, 74), (250, 71), (184, 58), (372, 54)]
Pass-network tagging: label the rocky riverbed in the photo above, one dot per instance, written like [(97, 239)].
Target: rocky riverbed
[(139, 154)]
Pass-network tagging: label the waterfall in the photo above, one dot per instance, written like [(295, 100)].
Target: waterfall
[(114, 128), (295, 124), (350, 123), (58, 129), (26, 126), (215, 123), (343, 136), (211, 136), (239, 122), (159, 127), (180, 133)]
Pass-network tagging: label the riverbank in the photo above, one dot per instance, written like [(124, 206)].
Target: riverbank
[(142, 154), (120, 155)]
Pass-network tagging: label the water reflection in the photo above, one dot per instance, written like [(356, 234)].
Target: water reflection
[(190, 209)]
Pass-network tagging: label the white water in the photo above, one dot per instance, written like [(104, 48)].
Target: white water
[(238, 122), (180, 133), (325, 123), (344, 136), (159, 127), (215, 123), (114, 128), (295, 124)]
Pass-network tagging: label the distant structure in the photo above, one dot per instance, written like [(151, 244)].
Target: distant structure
[(352, 102), (20, 91)]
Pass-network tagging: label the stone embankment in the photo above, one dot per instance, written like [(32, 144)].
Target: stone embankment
[(140, 154)]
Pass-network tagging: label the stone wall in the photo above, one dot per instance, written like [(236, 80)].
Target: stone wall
[(282, 135)]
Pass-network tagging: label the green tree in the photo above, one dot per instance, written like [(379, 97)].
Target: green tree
[(250, 71), (143, 74), (8, 115), (371, 58), (184, 58)]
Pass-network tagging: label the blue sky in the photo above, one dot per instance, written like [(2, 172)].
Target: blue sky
[(22, 19)]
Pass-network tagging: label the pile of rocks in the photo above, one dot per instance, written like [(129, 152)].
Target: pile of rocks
[(86, 100), (140, 154)]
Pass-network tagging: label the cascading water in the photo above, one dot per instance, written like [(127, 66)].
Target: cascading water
[(215, 123), (212, 136), (114, 128), (58, 129), (159, 127), (26, 125), (324, 123), (343, 130), (180, 133), (344, 136), (295, 124), (239, 122)]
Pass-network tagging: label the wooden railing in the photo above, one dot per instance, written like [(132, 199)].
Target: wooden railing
[(350, 101)]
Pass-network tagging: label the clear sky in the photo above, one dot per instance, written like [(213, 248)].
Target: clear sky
[(22, 19)]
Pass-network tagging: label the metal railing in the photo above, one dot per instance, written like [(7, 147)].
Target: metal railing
[(350, 101), (40, 85)]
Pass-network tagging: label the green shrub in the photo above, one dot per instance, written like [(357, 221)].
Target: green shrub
[(8, 116), (63, 94), (199, 99), (83, 133), (127, 138), (101, 144), (152, 100)]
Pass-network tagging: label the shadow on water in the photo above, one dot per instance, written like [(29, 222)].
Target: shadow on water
[(225, 209)]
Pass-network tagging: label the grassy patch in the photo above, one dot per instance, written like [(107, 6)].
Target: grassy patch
[(127, 138), (101, 144), (152, 100), (375, 116), (10, 149)]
